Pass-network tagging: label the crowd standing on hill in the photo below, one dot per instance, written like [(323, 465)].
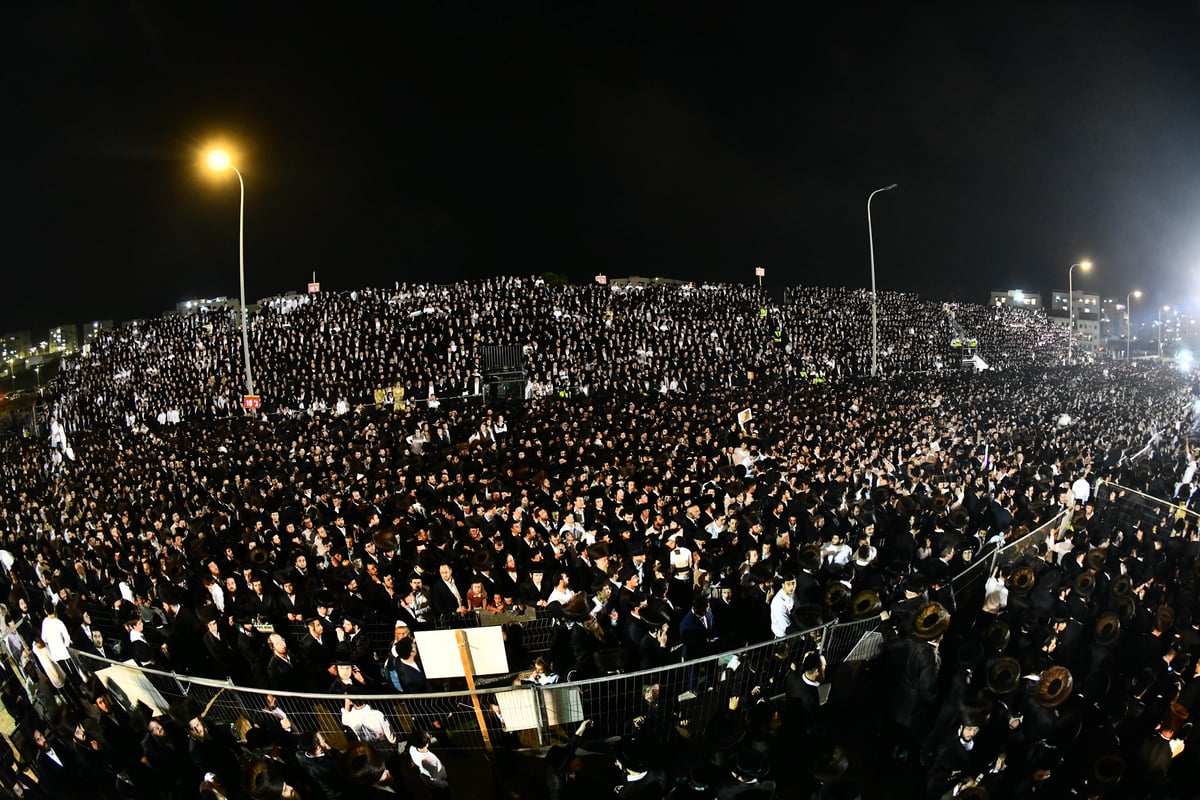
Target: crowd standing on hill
[(705, 472)]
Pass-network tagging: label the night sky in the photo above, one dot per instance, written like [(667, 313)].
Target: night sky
[(449, 140)]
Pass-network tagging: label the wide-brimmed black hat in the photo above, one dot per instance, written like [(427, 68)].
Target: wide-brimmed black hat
[(1108, 628), (1021, 580), (836, 595), (1055, 686), (930, 622), (865, 604), (1003, 676), (751, 764)]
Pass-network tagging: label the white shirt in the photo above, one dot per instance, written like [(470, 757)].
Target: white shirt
[(781, 613), (1082, 490), (563, 597), (430, 765), (368, 724), (54, 634)]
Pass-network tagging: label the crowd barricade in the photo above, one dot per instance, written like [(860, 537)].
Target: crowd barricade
[(968, 585), (1124, 510), (532, 630), (671, 701)]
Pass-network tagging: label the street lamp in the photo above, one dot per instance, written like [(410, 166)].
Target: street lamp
[(38, 371), (12, 374), (1161, 330), (1085, 266), (874, 297), (1128, 297), (218, 161)]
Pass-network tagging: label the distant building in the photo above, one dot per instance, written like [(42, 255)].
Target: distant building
[(64, 337), (1016, 297), (1087, 318), (192, 306), (1112, 323), (90, 329), (15, 344)]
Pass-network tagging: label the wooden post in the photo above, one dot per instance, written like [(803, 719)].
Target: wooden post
[(464, 651)]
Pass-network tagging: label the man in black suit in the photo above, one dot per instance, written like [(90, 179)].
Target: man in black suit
[(412, 677), (317, 649), (283, 673), (58, 775), (446, 596)]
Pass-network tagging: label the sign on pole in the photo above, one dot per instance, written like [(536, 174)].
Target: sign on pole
[(759, 271), (602, 279), (251, 401), (314, 287)]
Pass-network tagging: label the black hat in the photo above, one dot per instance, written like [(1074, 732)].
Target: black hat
[(916, 584), (836, 595), (809, 557), (1108, 628), (971, 653), (976, 711), (751, 764), (1055, 686), (996, 635), (1085, 582), (931, 622), (830, 763), (865, 604), (1021, 580), (1003, 676), (656, 613), (631, 755), (612, 660), (727, 729), (1109, 768)]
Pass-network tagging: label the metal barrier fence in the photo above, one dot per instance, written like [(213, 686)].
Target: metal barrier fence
[(1126, 510), (534, 631), (968, 585), (657, 704), (676, 700)]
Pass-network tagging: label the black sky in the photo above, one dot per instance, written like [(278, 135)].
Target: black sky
[(443, 141)]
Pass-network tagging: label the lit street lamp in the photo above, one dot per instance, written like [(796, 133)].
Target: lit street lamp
[(1160, 330), (38, 371), (1085, 266), (1128, 297), (218, 161), (874, 297)]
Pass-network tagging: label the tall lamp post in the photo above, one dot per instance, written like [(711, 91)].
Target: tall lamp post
[(874, 296), (1128, 298), (219, 160), (1160, 329), (1085, 266)]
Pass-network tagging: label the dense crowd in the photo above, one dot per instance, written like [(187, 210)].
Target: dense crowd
[(703, 494), (316, 352)]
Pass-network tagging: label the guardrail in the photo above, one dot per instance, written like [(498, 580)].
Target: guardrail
[(673, 700)]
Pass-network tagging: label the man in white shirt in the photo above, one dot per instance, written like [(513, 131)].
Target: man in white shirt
[(368, 724), (57, 639), (1082, 489), (561, 592), (781, 607)]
